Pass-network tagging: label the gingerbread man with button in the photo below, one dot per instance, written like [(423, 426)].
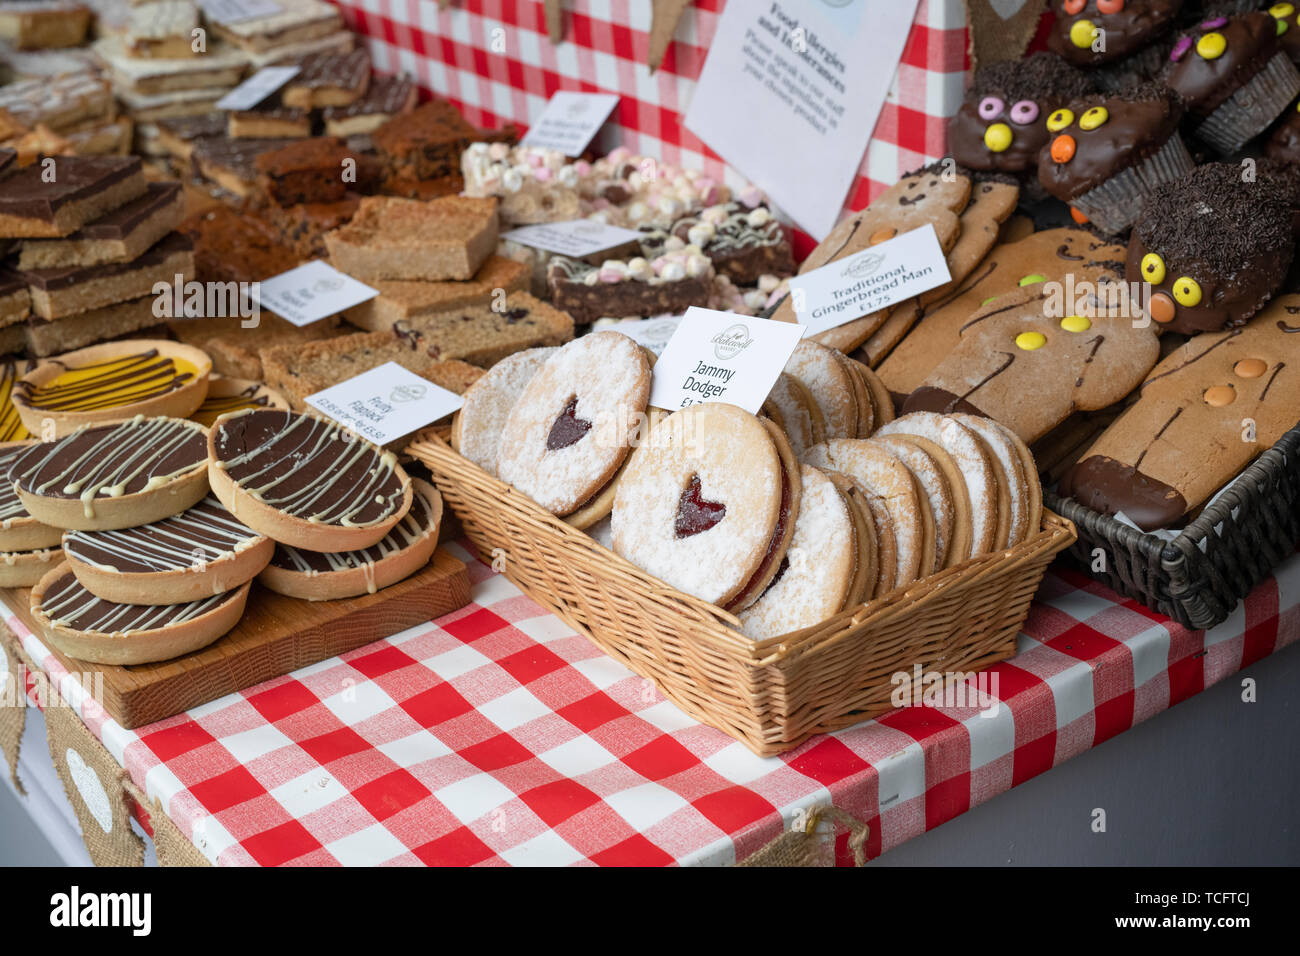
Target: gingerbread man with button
[(1089, 33), (1211, 248), (1025, 365), (1201, 416)]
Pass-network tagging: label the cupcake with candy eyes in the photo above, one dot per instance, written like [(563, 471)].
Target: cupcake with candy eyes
[(999, 127), (1094, 33), (1108, 152), (1233, 77), (1287, 16), (1212, 248)]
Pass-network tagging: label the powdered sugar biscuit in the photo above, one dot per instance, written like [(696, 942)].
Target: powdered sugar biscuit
[(815, 578), (829, 379), (932, 481), (599, 507), (799, 414), (574, 423), (476, 429), (958, 548), (883, 476), (1011, 473), (1033, 484), (882, 404), (864, 582), (882, 529), (708, 504), (972, 459)]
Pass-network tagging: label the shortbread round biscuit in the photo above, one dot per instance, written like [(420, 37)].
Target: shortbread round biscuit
[(864, 582), (886, 541), (708, 503), (476, 429), (1011, 471), (815, 578), (305, 481), (317, 576), (574, 423), (19, 531), (111, 382), (89, 628), (934, 484), (800, 417), (973, 460), (882, 475), (202, 551), (232, 395), (882, 402), (104, 477), (830, 381), (599, 507), (1033, 483), (959, 541), (22, 569)]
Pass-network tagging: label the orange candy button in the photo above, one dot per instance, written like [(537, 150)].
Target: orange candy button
[(1063, 149), (1162, 308), (1220, 395), (1250, 368), (1078, 216), (881, 235)]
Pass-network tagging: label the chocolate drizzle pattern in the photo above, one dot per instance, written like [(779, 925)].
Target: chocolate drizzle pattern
[(214, 406), (67, 604), (11, 506), (204, 534), (309, 468), (121, 381), (142, 454)]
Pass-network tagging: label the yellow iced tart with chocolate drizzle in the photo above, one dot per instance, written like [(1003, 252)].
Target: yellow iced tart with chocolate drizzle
[(110, 382)]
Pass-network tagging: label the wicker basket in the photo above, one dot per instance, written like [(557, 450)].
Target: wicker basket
[(772, 694), (1201, 575)]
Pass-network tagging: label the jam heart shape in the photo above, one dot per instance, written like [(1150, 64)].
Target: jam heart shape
[(694, 514), (568, 428)]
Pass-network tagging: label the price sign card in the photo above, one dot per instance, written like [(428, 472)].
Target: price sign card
[(570, 121), (257, 87), (310, 292), (578, 238), (385, 403), (722, 357), (870, 280), (653, 333)]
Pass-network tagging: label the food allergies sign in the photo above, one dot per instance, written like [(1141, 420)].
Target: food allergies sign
[(817, 72)]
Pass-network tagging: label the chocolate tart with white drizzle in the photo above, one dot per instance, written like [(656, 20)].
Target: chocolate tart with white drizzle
[(19, 531), (114, 476), (305, 481), (323, 576), (202, 551), (90, 628)]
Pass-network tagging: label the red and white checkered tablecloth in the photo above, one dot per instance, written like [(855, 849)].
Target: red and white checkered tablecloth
[(498, 735), (453, 54)]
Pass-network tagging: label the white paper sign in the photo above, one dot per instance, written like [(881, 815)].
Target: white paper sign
[(869, 281), (385, 403), (816, 72), (654, 334), (257, 87), (722, 357), (569, 121), (237, 11), (310, 292), (578, 237)]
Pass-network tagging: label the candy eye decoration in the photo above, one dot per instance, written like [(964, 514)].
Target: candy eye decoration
[(1024, 112), (1093, 118), (1081, 33), (1059, 120), (1153, 269), (998, 138), (1062, 148), (1282, 10), (1110, 6), (1211, 46), (1074, 7), (1187, 291), (991, 107)]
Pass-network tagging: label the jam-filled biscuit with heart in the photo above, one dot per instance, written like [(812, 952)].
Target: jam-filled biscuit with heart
[(816, 578), (1090, 33), (1211, 248), (1000, 124), (476, 429), (1200, 417), (708, 504), (1025, 365), (575, 422), (1107, 153)]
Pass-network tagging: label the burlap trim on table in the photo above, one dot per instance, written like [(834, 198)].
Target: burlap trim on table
[(808, 847), (13, 702), (94, 783)]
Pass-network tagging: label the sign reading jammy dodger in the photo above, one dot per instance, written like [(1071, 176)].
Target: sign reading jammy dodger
[(722, 357), (816, 72)]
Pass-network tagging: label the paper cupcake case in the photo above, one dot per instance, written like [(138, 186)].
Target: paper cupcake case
[(1253, 107), (770, 694), (1115, 204)]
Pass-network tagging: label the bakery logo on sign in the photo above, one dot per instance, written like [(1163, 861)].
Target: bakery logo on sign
[(73, 909), (589, 229), (861, 268), (731, 342), (407, 393), (578, 107), (326, 286), (180, 299)]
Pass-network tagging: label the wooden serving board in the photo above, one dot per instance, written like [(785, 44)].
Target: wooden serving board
[(276, 635)]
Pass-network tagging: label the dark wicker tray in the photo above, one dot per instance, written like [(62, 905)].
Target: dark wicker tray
[(1198, 577)]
